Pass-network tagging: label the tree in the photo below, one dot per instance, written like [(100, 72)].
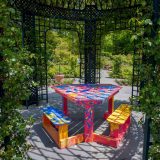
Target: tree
[(62, 49), (117, 43)]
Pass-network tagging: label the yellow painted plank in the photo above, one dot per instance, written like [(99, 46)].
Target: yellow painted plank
[(113, 126), (120, 115), (63, 131)]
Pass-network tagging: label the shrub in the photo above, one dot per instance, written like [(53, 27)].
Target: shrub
[(106, 63), (122, 68), (117, 66)]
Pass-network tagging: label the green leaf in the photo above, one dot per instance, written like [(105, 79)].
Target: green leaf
[(148, 22)]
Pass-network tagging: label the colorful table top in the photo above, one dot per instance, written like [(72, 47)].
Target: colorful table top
[(120, 115), (83, 94), (56, 116)]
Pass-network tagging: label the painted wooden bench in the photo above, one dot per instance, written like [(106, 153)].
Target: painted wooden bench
[(119, 121), (56, 124)]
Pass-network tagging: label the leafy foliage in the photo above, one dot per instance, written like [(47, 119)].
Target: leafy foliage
[(15, 72), (62, 49), (117, 49), (117, 43), (148, 40), (122, 68)]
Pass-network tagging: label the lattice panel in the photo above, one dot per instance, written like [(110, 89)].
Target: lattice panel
[(137, 62), (40, 27), (88, 13), (90, 53), (28, 32), (81, 4), (89, 18)]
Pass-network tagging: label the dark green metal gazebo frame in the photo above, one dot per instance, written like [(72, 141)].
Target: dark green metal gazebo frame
[(90, 19)]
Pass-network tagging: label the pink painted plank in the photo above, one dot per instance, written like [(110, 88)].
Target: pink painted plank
[(65, 106), (88, 124)]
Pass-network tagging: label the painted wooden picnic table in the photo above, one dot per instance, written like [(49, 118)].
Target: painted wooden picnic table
[(88, 95)]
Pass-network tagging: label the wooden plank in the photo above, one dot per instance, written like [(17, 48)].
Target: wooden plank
[(75, 140), (110, 105), (56, 116), (63, 131), (120, 115), (47, 125), (70, 141), (114, 130), (106, 140)]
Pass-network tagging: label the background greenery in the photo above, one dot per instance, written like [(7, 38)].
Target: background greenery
[(117, 56), (62, 48), (63, 51)]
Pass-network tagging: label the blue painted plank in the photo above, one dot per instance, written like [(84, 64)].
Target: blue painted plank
[(56, 116)]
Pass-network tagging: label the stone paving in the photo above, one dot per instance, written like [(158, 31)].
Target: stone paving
[(43, 148)]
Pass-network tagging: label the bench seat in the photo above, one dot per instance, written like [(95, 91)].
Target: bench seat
[(119, 121), (55, 122), (56, 116), (120, 115)]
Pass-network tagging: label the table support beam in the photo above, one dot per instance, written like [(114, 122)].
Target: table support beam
[(88, 124), (65, 106), (110, 107)]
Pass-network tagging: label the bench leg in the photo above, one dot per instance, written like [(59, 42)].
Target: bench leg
[(114, 130), (47, 125), (127, 123), (58, 133), (63, 131), (63, 136)]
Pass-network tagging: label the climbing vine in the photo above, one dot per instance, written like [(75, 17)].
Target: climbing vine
[(148, 39), (14, 75)]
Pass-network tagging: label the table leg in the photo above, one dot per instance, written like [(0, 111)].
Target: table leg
[(110, 107), (88, 124), (65, 106)]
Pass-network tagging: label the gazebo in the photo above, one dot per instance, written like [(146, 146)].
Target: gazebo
[(90, 19)]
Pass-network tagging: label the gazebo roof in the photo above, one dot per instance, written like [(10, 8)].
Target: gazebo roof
[(78, 10), (81, 4)]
